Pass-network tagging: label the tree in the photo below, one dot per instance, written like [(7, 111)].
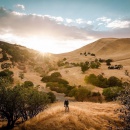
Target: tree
[(111, 93), (19, 102), (124, 98)]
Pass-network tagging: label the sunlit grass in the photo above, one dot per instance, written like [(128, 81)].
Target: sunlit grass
[(82, 116)]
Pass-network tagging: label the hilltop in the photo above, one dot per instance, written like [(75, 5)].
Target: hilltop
[(82, 116), (106, 48)]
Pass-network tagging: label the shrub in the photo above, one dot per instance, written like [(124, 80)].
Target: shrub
[(111, 93), (56, 74), (102, 82), (84, 67), (51, 96), (92, 79), (82, 94), (114, 81), (28, 84)]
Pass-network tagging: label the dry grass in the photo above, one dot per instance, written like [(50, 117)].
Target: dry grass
[(82, 116)]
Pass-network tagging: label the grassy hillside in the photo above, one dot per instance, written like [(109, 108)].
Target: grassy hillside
[(116, 49), (82, 116)]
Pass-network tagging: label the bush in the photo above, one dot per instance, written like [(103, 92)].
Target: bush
[(102, 82), (81, 94), (94, 65), (92, 79), (7, 76), (28, 84), (84, 67), (51, 96), (56, 74), (114, 81), (111, 93)]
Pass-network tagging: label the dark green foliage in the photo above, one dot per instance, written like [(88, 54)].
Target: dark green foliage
[(95, 65), (6, 65), (95, 94), (124, 111), (114, 81), (20, 102), (84, 67), (80, 94), (56, 74), (111, 93), (28, 84), (7, 76), (56, 83), (108, 61), (51, 96), (54, 79), (92, 54), (4, 56), (102, 82), (55, 86)]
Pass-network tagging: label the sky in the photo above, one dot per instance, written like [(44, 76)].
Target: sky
[(59, 26)]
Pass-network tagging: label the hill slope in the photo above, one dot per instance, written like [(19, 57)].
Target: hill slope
[(116, 49), (82, 116)]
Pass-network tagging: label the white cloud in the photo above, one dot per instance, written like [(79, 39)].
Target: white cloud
[(24, 25), (15, 26), (69, 20), (104, 19), (119, 24), (89, 22), (80, 21), (20, 6)]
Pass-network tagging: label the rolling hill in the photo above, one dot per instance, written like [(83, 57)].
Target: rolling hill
[(82, 115), (106, 48)]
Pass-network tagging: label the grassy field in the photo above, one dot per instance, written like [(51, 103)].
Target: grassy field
[(82, 116)]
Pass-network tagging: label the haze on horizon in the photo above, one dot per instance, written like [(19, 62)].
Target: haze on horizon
[(62, 25)]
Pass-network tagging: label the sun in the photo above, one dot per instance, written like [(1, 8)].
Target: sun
[(44, 45)]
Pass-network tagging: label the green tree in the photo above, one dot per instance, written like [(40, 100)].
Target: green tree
[(111, 93), (19, 102)]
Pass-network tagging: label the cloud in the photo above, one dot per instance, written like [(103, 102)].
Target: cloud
[(20, 26), (24, 25), (118, 24), (104, 19), (69, 20), (20, 6)]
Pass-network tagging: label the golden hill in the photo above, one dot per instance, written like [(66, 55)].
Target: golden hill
[(106, 48), (82, 116)]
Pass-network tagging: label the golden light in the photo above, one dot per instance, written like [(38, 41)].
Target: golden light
[(45, 44)]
